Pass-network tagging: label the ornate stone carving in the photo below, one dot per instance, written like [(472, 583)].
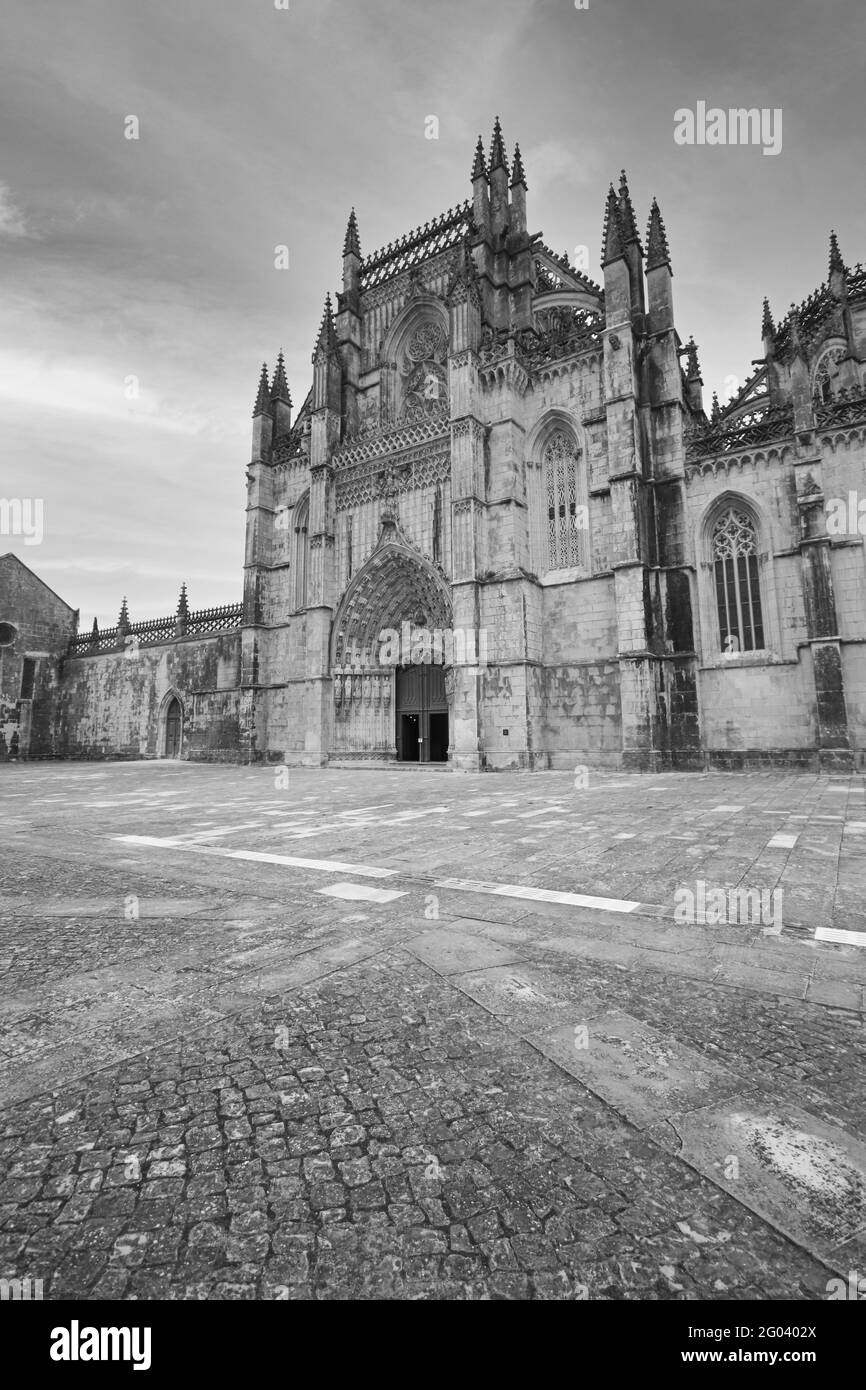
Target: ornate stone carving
[(733, 535), (424, 384)]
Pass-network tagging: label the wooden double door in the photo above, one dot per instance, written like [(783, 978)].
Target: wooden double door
[(422, 714)]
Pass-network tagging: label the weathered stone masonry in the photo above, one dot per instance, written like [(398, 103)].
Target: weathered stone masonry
[(493, 443)]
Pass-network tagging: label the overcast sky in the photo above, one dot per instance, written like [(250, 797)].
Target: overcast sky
[(261, 126)]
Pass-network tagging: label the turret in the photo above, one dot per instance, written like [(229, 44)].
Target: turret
[(498, 183), (664, 379), (180, 626), (351, 264), (768, 331), (631, 245), (658, 273), (617, 280), (263, 422), (801, 394), (612, 238), (281, 400), (327, 373), (480, 190), (838, 277), (518, 194), (694, 380)]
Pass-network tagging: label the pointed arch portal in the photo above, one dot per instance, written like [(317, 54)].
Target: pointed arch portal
[(170, 726), (391, 640)]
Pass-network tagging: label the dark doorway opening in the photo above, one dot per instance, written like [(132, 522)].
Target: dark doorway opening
[(409, 747), (173, 725), (438, 737), (422, 715)]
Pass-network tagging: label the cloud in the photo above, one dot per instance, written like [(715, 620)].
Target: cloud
[(12, 223), (81, 390), (556, 162)]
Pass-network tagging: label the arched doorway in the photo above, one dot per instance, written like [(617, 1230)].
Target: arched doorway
[(387, 662), (422, 714), (173, 728)]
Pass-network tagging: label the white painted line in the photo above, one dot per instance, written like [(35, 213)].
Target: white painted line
[(544, 895), (360, 810), (359, 892), (712, 809), (526, 815), (629, 835), (845, 938), (858, 826), (416, 815), (223, 830), (327, 866), (782, 842), (509, 820)]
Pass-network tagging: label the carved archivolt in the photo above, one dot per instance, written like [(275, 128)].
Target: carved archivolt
[(396, 585)]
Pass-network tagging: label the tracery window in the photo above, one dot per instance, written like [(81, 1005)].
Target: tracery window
[(827, 375), (560, 468), (738, 589)]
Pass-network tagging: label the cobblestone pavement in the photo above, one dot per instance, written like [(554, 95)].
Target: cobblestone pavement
[(421, 1035)]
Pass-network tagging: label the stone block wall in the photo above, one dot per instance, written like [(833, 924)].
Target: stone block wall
[(35, 628), (112, 705)]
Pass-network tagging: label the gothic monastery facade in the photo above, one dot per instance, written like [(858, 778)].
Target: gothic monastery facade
[(504, 531)]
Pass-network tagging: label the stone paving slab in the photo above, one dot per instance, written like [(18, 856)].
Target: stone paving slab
[(642, 1073), (396, 1143), (245, 1088), (807, 1177)]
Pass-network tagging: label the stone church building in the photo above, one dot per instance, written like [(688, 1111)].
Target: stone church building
[(504, 531)]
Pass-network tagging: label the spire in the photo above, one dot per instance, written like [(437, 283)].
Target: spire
[(327, 339), (328, 373), (479, 168), (123, 620), (612, 238), (182, 619), (626, 212), (280, 388), (517, 174), (716, 409), (768, 328), (94, 633), (352, 243), (497, 149), (693, 366), (261, 405), (657, 250), (836, 262)]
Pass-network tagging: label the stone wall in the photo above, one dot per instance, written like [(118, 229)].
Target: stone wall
[(36, 628), (114, 705)]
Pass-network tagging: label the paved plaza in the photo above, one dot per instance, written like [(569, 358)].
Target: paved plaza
[(273, 1033)]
